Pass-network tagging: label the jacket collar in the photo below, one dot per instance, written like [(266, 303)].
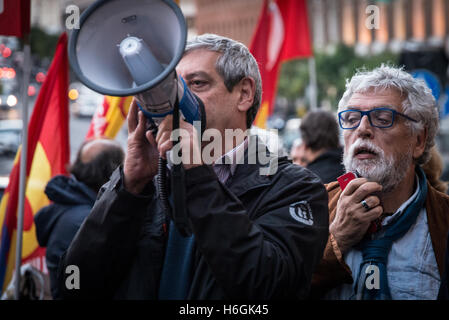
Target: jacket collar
[(254, 171), (437, 208)]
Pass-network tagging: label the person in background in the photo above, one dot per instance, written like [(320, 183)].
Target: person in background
[(73, 198), (322, 150), (297, 153)]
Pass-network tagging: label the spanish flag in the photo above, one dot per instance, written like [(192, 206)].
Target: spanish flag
[(109, 117), (282, 33), (48, 153)]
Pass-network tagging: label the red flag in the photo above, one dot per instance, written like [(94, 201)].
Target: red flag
[(14, 17), (282, 33), (48, 154)]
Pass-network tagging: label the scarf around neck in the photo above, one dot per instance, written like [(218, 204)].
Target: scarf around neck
[(375, 251)]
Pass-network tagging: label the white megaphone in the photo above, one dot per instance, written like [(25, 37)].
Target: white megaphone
[(131, 48)]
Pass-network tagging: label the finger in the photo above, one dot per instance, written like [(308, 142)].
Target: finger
[(141, 126), (353, 185), (371, 201), (150, 137), (132, 116), (164, 147), (187, 129), (161, 138), (365, 190), (165, 125), (373, 214), (184, 124)]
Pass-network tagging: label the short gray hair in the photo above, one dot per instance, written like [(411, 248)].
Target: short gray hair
[(235, 63), (418, 104)]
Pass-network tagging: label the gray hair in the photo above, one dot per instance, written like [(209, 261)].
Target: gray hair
[(235, 63), (418, 104)]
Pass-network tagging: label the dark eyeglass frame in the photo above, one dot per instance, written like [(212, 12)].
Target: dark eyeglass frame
[(367, 113)]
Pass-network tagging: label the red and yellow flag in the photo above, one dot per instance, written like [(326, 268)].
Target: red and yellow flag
[(48, 153), (282, 33), (109, 117)]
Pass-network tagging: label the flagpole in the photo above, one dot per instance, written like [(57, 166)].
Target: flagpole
[(23, 163), (313, 85)]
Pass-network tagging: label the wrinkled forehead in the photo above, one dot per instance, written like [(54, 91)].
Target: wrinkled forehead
[(197, 60), (371, 98)]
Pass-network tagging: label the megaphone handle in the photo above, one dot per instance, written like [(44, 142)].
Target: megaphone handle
[(152, 126), (162, 187), (178, 186), (177, 212)]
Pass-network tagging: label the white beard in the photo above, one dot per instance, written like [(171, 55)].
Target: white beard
[(386, 171)]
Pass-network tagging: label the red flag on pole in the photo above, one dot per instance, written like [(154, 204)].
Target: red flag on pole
[(14, 17), (48, 153), (282, 33)]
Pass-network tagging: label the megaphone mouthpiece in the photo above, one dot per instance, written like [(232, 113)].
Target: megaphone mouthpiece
[(139, 59)]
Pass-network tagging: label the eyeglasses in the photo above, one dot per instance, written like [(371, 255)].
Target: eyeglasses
[(378, 118)]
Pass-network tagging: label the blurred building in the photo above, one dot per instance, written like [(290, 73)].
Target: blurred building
[(189, 9), (398, 23), (45, 14), (49, 15), (236, 19)]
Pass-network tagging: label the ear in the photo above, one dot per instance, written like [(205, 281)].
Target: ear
[(421, 139), (246, 90)]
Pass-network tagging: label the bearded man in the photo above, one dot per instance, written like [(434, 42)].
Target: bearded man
[(388, 226)]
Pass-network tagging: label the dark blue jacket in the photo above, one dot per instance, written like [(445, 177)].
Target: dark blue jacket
[(57, 223), (256, 237), (328, 166)]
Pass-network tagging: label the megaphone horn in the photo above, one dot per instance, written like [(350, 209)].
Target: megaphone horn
[(132, 47)]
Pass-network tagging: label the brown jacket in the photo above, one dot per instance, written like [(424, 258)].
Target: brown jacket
[(333, 271)]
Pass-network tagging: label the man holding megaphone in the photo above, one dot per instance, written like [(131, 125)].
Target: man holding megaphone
[(249, 235)]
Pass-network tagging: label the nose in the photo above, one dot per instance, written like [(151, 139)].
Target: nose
[(365, 130)]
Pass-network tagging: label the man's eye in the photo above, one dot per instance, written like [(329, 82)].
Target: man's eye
[(351, 118), (197, 83), (383, 117), (383, 121)]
